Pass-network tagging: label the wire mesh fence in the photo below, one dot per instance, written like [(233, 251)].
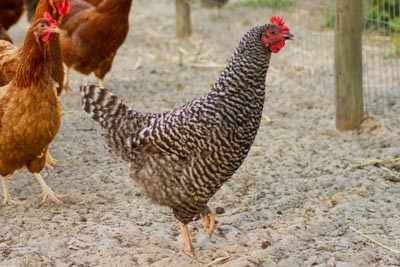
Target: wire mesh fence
[(312, 55), (381, 44)]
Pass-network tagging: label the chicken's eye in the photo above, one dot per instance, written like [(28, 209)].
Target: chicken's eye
[(272, 32)]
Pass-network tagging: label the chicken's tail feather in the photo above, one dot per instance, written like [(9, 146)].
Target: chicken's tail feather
[(107, 109), (103, 106)]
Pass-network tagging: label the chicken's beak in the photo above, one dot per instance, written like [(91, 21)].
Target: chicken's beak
[(54, 29), (288, 36)]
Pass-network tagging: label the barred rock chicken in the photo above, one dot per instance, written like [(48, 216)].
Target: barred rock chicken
[(30, 110), (93, 35), (182, 157)]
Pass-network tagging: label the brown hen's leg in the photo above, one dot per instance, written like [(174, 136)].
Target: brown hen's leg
[(6, 192), (208, 221), (100, 82), (67, 88), (47, 193), (50, 159), (187, 243)]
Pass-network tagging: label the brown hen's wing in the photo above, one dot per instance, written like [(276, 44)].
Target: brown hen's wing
[(4, 35), (73, 23), (8, 61)]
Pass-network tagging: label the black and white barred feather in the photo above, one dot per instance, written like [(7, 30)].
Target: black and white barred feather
[(182, 157)]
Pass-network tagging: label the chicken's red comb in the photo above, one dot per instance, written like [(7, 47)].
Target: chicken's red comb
[(280, 22), (47, 16)]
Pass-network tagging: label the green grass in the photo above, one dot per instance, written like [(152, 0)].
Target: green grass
[(264, 3), (396, 43), (329, 20)]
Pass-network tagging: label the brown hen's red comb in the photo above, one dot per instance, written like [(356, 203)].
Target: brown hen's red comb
[(280, 22), (47, 16)]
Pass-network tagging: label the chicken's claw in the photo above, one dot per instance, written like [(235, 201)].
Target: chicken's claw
[(12, 201), (208, 221), (56, 198), (47, 193)]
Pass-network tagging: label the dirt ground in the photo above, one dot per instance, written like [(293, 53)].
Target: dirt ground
[(305, 196)]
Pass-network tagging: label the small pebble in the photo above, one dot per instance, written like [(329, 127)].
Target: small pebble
[(220, 210), (265, 244)]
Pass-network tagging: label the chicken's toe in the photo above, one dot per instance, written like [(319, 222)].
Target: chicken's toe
[(47, 192), (50, 159), (208, 221), (7, 195), (56, 198), (13, 201)]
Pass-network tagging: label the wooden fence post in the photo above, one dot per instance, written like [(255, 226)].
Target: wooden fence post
[(183, 24), (348, 64)]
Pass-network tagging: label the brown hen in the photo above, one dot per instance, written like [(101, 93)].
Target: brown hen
[(93, 35), (9, 58), (8, 54), (30, 110)]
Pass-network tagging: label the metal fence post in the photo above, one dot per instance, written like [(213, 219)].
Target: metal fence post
[(348, 64)]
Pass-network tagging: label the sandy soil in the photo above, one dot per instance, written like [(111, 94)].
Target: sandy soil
[(298, 200)]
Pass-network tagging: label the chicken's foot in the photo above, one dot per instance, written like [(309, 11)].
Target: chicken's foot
[(47, 193), (187, 243), (6, 192), (208, 221), (50, 159)]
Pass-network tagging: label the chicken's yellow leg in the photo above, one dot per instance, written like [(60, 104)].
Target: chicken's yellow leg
[(101, 82), (67, 88), (209, 223), (6, 192), (208, 220), (50, 159), (47, 193), (187, 243)]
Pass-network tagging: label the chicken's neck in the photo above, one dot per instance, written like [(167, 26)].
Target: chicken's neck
[(42, 7), (34, 64), (247, 69)]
